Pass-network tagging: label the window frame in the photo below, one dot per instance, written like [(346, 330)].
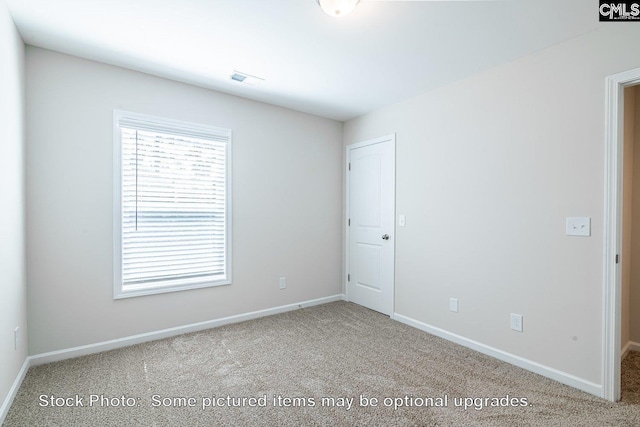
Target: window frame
[(182, 128)]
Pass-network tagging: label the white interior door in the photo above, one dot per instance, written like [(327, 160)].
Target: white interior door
[(371, 232)]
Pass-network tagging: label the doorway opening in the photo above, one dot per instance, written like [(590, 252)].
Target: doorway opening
[(620, 98), (630, 255)]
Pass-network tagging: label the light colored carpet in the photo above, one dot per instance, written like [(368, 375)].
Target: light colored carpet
[(630, 379), (338, 350)]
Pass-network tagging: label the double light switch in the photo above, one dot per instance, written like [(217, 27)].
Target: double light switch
[(578, 226)]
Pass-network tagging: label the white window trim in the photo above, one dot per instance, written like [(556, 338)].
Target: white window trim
[(176, 127)]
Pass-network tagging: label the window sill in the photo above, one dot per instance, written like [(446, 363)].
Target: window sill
[(138, 291)]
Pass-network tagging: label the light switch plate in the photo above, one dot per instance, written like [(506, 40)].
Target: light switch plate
[(578, 226), (402, 220), (516, 322)]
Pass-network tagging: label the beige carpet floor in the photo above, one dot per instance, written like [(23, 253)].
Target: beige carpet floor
[(285, 365), (630, 379)]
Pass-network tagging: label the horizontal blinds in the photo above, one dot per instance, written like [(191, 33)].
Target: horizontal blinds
[(172, 127), (173, 203)]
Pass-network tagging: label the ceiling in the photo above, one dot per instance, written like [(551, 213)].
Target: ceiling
[(340, 68)]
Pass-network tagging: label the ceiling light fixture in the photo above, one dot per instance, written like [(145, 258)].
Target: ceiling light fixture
[(338, 8)]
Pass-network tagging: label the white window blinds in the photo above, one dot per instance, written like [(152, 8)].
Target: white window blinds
[(174, 205)]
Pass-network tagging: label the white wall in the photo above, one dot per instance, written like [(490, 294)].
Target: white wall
[(286, 202), (487, 170), (13, 293)]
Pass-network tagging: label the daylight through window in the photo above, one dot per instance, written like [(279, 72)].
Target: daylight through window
[(172, 195)]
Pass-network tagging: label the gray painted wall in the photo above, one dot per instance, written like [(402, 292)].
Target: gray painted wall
[(13, 293), (287, 171), (488, 168)]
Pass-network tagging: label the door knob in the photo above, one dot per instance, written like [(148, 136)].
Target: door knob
[(385, 237)]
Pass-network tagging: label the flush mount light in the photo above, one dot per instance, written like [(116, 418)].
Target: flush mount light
[(338, 8)]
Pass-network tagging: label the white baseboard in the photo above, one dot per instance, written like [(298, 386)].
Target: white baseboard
[(4, 409), (521, 362), (629, 346), (55, 356)]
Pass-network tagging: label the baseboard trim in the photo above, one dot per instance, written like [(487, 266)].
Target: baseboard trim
[(55, 356), (4, 409), (554, 374), (629, 346)]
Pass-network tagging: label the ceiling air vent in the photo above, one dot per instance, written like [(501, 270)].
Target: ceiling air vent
[(245, 78)]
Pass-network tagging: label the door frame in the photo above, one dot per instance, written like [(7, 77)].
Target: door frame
[(386, 138), (612, 288)]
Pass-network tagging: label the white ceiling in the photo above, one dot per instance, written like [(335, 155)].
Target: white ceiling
[(384, 52)]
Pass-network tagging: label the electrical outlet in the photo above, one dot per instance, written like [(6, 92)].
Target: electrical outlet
[(453, 304), (516, 322), (283, 283), (16, 337)]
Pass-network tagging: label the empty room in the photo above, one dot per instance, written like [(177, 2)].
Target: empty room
[(319, 212)]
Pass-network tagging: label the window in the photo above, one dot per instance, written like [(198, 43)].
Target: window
[(172, 205)]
